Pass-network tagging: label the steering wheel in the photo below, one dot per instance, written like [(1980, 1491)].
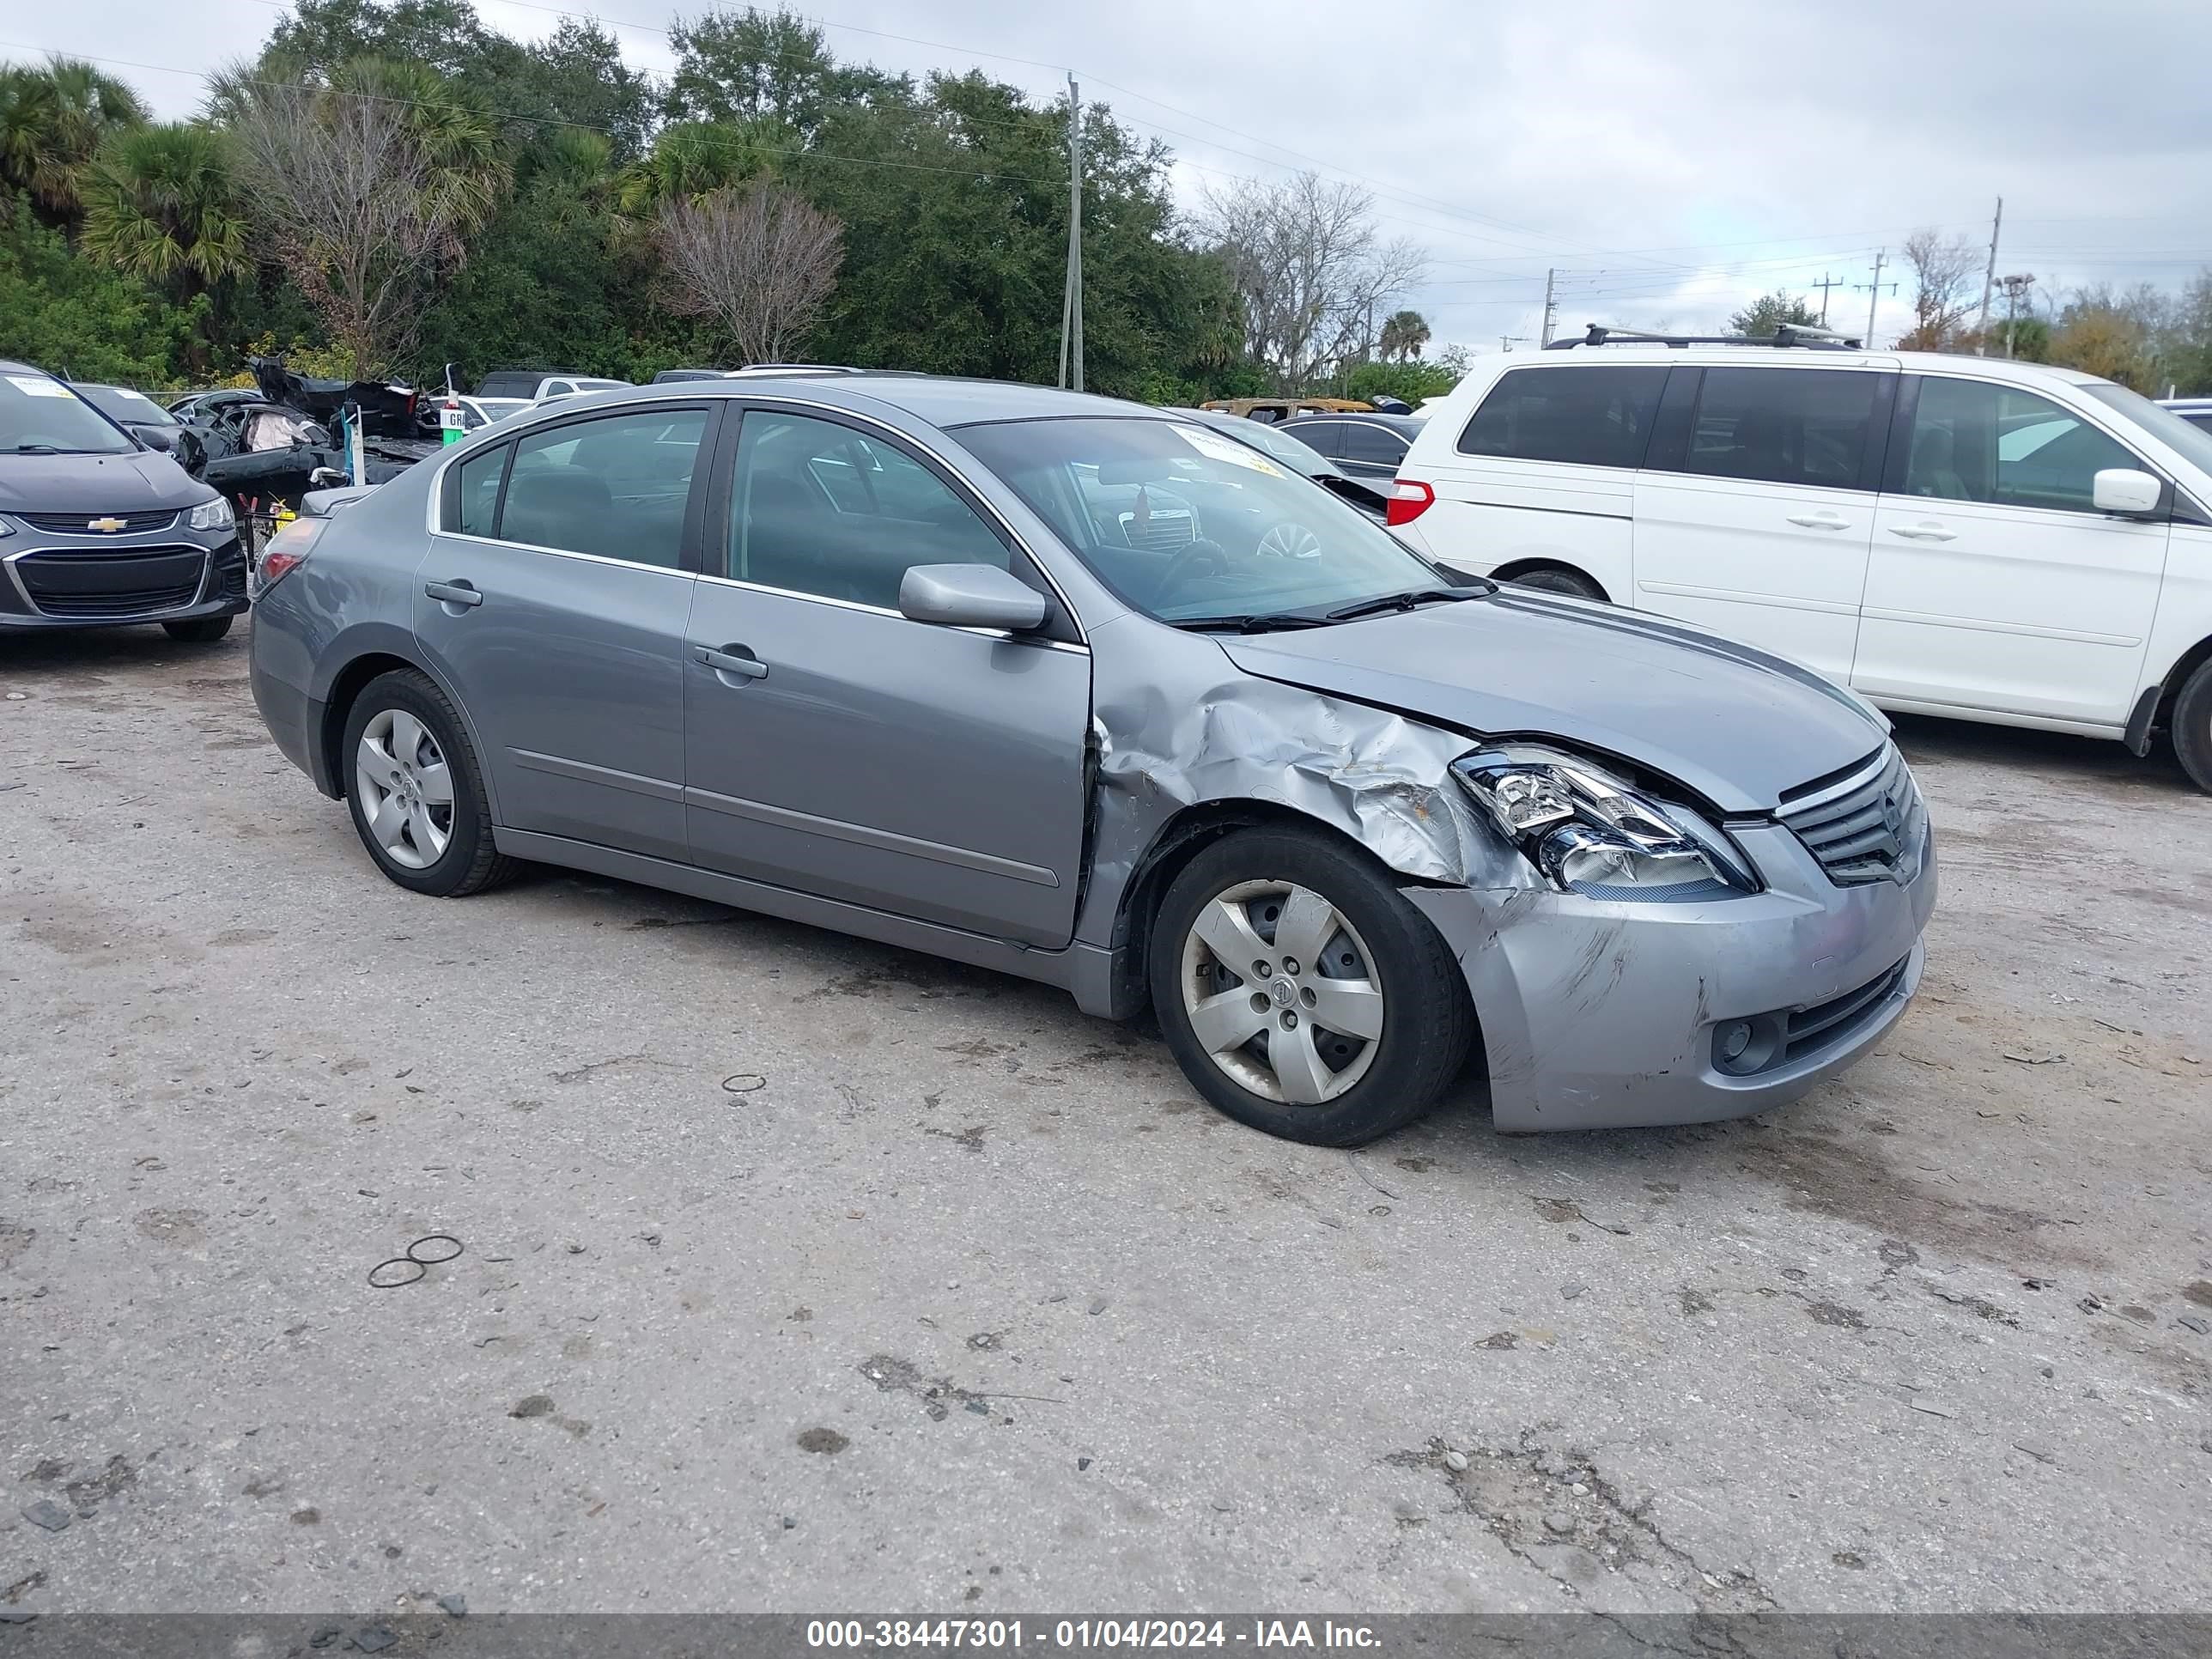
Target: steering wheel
[(1198, 558), (1290, 540)]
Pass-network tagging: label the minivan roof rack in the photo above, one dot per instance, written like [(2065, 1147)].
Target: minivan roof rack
[(1800, 335)]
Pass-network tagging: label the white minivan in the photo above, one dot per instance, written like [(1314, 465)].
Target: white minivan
[(1958, 535)]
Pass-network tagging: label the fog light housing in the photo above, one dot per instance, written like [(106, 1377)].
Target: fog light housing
[(1734, 1039), (1742, 1047)]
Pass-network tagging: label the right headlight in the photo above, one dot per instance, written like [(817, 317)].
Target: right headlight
[(1589, 833)]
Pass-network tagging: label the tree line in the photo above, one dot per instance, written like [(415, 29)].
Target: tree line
[(388, 186)]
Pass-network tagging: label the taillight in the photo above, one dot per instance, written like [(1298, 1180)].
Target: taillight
[(288, 550), (1409, 499)]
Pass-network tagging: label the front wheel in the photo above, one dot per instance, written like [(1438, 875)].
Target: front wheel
[(2193, 727), (1301, 993), (416, 792), (199, 630)]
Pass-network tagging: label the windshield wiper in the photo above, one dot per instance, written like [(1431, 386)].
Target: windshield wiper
[(32, 449), (1375, 607), (1268, 622)]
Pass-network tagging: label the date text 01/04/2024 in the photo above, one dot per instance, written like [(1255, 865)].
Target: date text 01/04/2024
[(1087, 1634)]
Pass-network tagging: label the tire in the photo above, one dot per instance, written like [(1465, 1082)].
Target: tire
[(1363, 1086), (1560, 581), (420, 750), (2191, 729), (200, 630)]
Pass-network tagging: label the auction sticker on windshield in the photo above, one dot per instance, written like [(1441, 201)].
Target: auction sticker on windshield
[(1214, 447), (34, 386)]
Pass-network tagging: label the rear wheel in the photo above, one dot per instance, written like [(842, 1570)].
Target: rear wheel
[(1559, 581), (2193, 727), (1301, 993), (415, 789), (199, 630)]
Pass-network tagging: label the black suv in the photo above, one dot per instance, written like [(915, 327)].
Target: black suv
[(98, 529)]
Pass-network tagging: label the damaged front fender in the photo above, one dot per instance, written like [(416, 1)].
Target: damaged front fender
[(1182, 729)]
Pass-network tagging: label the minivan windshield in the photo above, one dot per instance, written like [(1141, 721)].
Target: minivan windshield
[(126, 406), (40, 416), (1193, 527), (2168, 428)]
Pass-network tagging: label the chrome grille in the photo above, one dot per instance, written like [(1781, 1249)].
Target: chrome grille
[(1860, 824), (111, 523)]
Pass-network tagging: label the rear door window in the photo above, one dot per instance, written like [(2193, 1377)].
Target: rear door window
[(1789, 426), (1594, 416), (1374, 446), (474, 506), (615, 487)]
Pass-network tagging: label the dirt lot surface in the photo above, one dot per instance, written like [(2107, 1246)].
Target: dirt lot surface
[(805, 1274)]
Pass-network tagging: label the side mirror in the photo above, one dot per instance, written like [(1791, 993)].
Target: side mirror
[(2125, 490), (969, 596), (163, 438)]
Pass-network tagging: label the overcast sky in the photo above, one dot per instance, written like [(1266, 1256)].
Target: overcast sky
[(1669, 159)]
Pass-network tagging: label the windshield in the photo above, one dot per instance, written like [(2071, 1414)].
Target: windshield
[(40, 416), (1183, 522), (2168, 428), (125, 405)]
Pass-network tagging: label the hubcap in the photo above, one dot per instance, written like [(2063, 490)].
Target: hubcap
[(404, 789), (1280, 989)]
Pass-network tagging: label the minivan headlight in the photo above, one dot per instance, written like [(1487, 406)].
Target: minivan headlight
[(214, 514), (1589, 834)]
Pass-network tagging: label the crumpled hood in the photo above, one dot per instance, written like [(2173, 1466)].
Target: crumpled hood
[(143, 482), (1735, 725)]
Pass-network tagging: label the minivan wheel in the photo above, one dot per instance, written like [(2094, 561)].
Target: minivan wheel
[(199, 630), (415, 789), (2193, 727), (1301, 993), (1560, 581)]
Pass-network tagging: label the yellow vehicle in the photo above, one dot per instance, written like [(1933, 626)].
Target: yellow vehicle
[(1272, 409)]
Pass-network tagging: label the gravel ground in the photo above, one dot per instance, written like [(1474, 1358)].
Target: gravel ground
[(971, 1306)]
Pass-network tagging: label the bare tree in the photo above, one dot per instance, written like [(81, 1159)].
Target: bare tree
[(1313, 279), (1941, 267), (759, 260), (364, 190)]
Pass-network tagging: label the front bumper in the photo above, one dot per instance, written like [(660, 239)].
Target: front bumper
[(55, 581), (1599, 1015)]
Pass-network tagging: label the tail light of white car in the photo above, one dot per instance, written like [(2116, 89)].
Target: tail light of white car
[(1409, 499)]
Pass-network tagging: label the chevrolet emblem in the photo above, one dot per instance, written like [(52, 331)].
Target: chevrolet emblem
[(110, 525)]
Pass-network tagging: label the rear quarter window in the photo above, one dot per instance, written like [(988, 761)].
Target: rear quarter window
[(1598, 416)]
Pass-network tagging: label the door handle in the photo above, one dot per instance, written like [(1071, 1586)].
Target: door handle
[(1924, 532), (460, 592), (1820, 520), (731, 659)]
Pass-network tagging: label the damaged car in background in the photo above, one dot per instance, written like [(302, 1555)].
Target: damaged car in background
[(263, 449), (918, 660)]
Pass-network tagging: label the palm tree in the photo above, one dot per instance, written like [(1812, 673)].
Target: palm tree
[(160, 203), (571, 175), (1404, 334), (691, 160), (52, 118)]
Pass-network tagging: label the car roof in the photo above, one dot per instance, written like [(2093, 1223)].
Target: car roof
[(1754, 354), (939, 400), (7, 368)]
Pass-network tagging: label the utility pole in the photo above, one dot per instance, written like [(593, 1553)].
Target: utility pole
[(1507, 341), (1874, 293), (1825, 282), (2014, 287), (1988, 277), (1551, 307), (1071, 302)]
